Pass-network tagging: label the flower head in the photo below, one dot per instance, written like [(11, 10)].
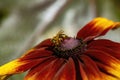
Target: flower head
[(65, 58)]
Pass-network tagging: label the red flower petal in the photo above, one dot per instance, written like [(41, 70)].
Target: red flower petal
[(45, 43), (104, 42), (97, 27), (82, 71), (108, 46), (46, 70), (67, 72), (54, 69), (108, 77), (90, 68), (109, 71), (36, 54), (29, 60), (18, 66), (107, 63)]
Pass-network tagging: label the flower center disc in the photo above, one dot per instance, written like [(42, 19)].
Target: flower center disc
[(69, 44), (65, 47)]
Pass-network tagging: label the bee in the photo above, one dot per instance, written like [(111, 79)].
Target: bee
[(59, 38)]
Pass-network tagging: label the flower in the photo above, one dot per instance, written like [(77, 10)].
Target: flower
[(84, 57)]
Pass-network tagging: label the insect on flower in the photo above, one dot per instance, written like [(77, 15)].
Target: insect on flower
[(65, 58)]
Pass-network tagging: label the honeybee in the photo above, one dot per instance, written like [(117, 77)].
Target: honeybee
[(59, 38)]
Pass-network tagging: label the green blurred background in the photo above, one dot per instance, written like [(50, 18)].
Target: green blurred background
[(24, 23)]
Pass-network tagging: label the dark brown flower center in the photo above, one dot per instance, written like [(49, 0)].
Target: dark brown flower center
[(65, 47), (67, 50)]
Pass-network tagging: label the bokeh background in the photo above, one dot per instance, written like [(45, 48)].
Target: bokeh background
[(24, 23)]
